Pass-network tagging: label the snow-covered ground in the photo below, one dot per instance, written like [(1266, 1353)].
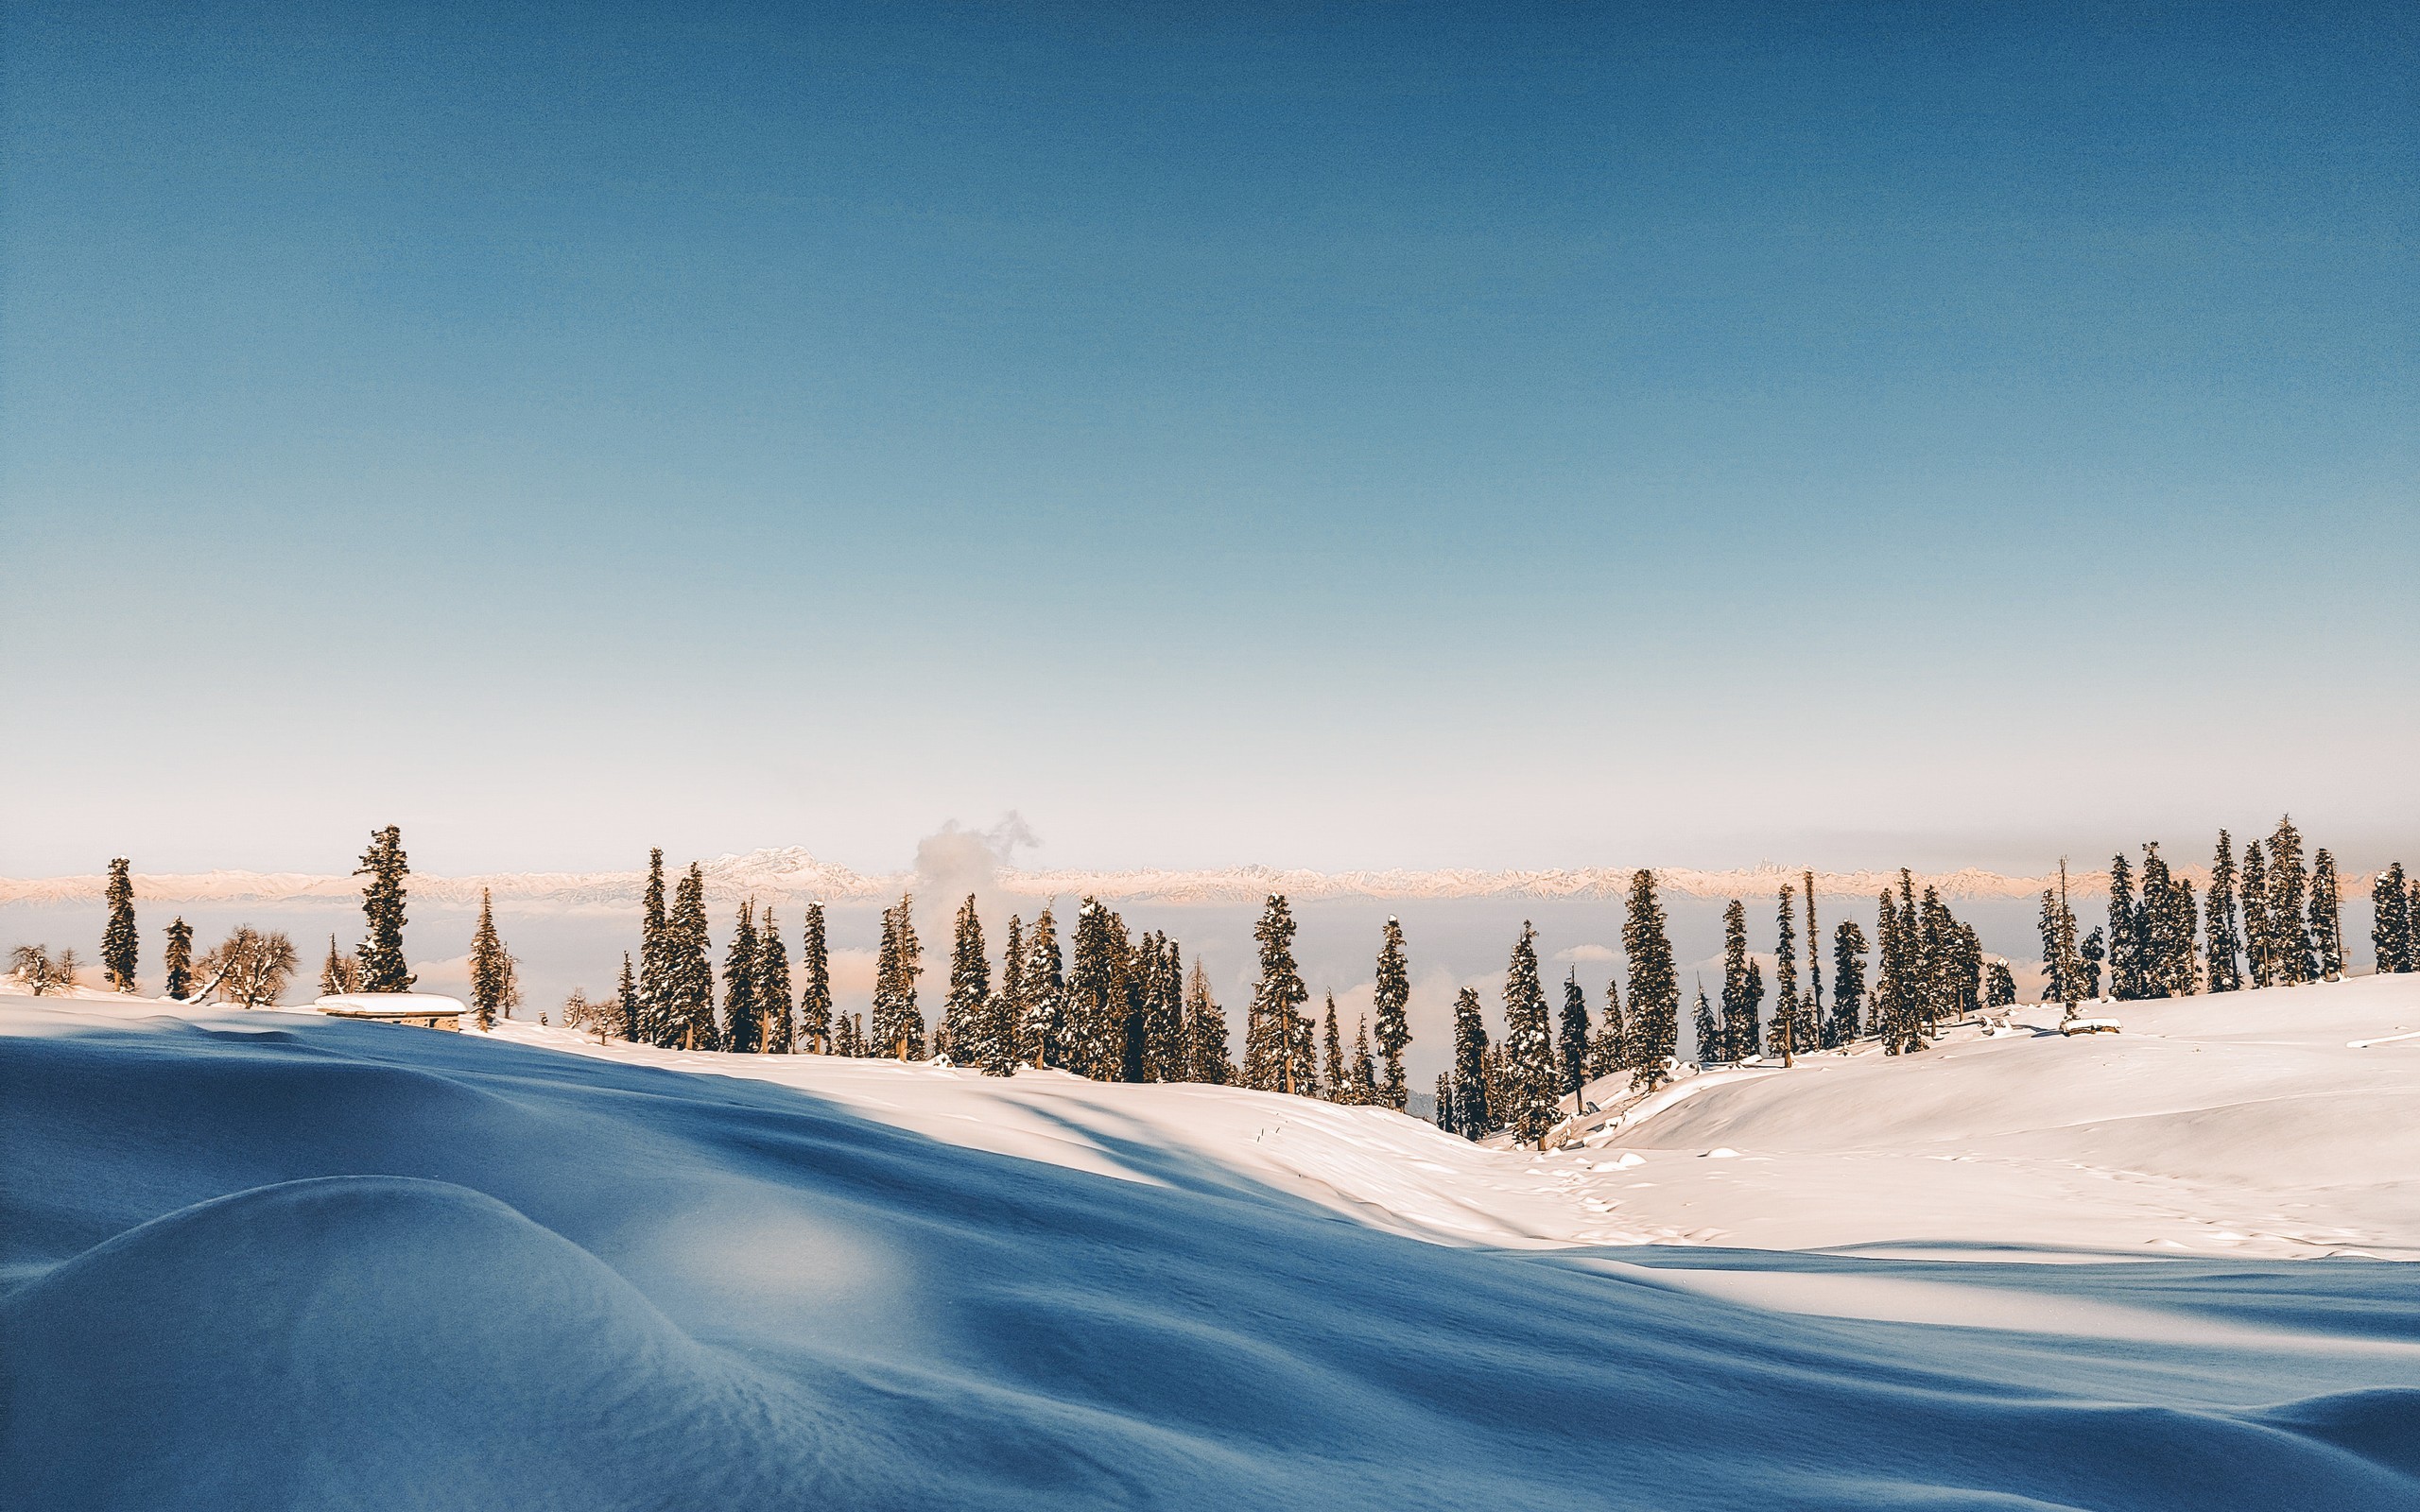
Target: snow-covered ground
[(277, 1259)]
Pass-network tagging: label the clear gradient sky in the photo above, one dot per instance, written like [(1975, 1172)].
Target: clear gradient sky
[(1370, 436)]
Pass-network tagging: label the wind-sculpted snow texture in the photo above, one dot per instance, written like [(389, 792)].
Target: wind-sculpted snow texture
[(269, 1261)]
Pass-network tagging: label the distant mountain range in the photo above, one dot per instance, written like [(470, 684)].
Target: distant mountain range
[(790, 875)]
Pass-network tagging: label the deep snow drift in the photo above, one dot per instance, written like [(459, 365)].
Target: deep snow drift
[(273, 1260)]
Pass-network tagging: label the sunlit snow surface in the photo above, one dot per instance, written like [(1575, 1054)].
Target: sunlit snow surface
[(273, 1260)]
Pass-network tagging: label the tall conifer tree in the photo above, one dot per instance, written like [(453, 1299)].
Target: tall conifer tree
[(2259, 943), (1740, 1036), (655, 958), (1654, 1027), (1045, 992), (743, 1021), (177, 963), (1278, 1025), (2391, 920), (1610, 1051), (2326, 919), (1363, 1092), (383, 968), (2289, 890), (1789, 1013), (815, 985), (121, 945), (1005, 1027), (1392, 1004), (1709, 1034), (1532, 1076), (689, 976), (1846, 1023), (1336, 1079), (625, 998), (897, 1026), (1096, 997), (340, 974), (491, 967), (2223, 942), (1473, 1117), (1571, 1045), (967, 1014), (773, 988), (2125, 933), (1205, 1031), (1814, 961)]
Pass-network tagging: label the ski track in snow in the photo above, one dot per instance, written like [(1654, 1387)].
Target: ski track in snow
[(273, 1260)]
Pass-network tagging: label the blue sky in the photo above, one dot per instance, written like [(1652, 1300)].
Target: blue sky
[(1370, 436)]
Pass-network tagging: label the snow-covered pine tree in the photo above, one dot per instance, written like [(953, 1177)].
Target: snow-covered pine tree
[(340, 972), (1334, 1079), (2091, 952), (1790, 1031), (2326, 917), (815, 985), (1999, 986), (773, 988), (743, 1021), (897, 1026), (1448, 1117), (2259, 943), (2125, 933), (1393, 1005), (491, 985), (1042, 1036), (1654, 1028), (1609, 1051), (967, 1013), (2391, 920), (2156, 949), (1709, 1034), (1571, 1043), (121, 945), (1004, 1016), (656, 1026), (1752, 994), (1740, 1038), (1167, 1055), (1205, 1033), (1814, 966), (2289, 890), (1363, 1092), (177, 962), (2056, 986), (1277, 1024), (1096, 994), (690, 974), (1846, 1022), (383, 968), (2184, 959), (1473, 1117), (1897, 1014), (625, 999), (2223, 942), (1532, 1076)]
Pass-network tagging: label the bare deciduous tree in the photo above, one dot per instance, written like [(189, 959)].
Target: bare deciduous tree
[(250, 968), (42, 972), (601, 1017)]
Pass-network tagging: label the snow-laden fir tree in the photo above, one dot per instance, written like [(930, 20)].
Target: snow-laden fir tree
[(1046, 990), (743, 1023), (177, 963), (1097, 1003), (1609, 1051), (1999, 986), (2091, 953), (773, 988), (2391, 920), (1847, 1019), (626, 999), (1751, 994), (1473, 1117), (966, 1014), (657, 1025), (1571, 1041), (1709, 1033), (1814, 965), (815, 985), (1003, 1015), (1167, 1055), (1897, 1017), (1653, 1031), (689, 973), (2326, 917), (2260, 944), (2223, 942), (494, 989), (897, 1026), (382, 906), (1792, 1033), (1740, 1035), (2289, 892), (1533, 1076), (1393, 1007), (1333, 1078), (1363, 1090), (1448, 1117), (1205, 1032), (340, 972), (121, 946), (2125, 970), (1278, 1030)]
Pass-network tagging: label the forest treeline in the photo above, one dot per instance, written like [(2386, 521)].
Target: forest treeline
[(1114, 1003)]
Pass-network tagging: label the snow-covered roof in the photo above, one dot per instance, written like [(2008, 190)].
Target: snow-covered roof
[(390, 1004)]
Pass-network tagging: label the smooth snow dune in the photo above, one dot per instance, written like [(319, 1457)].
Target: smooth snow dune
[(271, 1262)]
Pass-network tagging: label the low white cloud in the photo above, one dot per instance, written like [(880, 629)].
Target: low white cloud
[(1586, 953)]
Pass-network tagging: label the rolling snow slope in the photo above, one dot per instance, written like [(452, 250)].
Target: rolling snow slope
[(273, 1260)]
